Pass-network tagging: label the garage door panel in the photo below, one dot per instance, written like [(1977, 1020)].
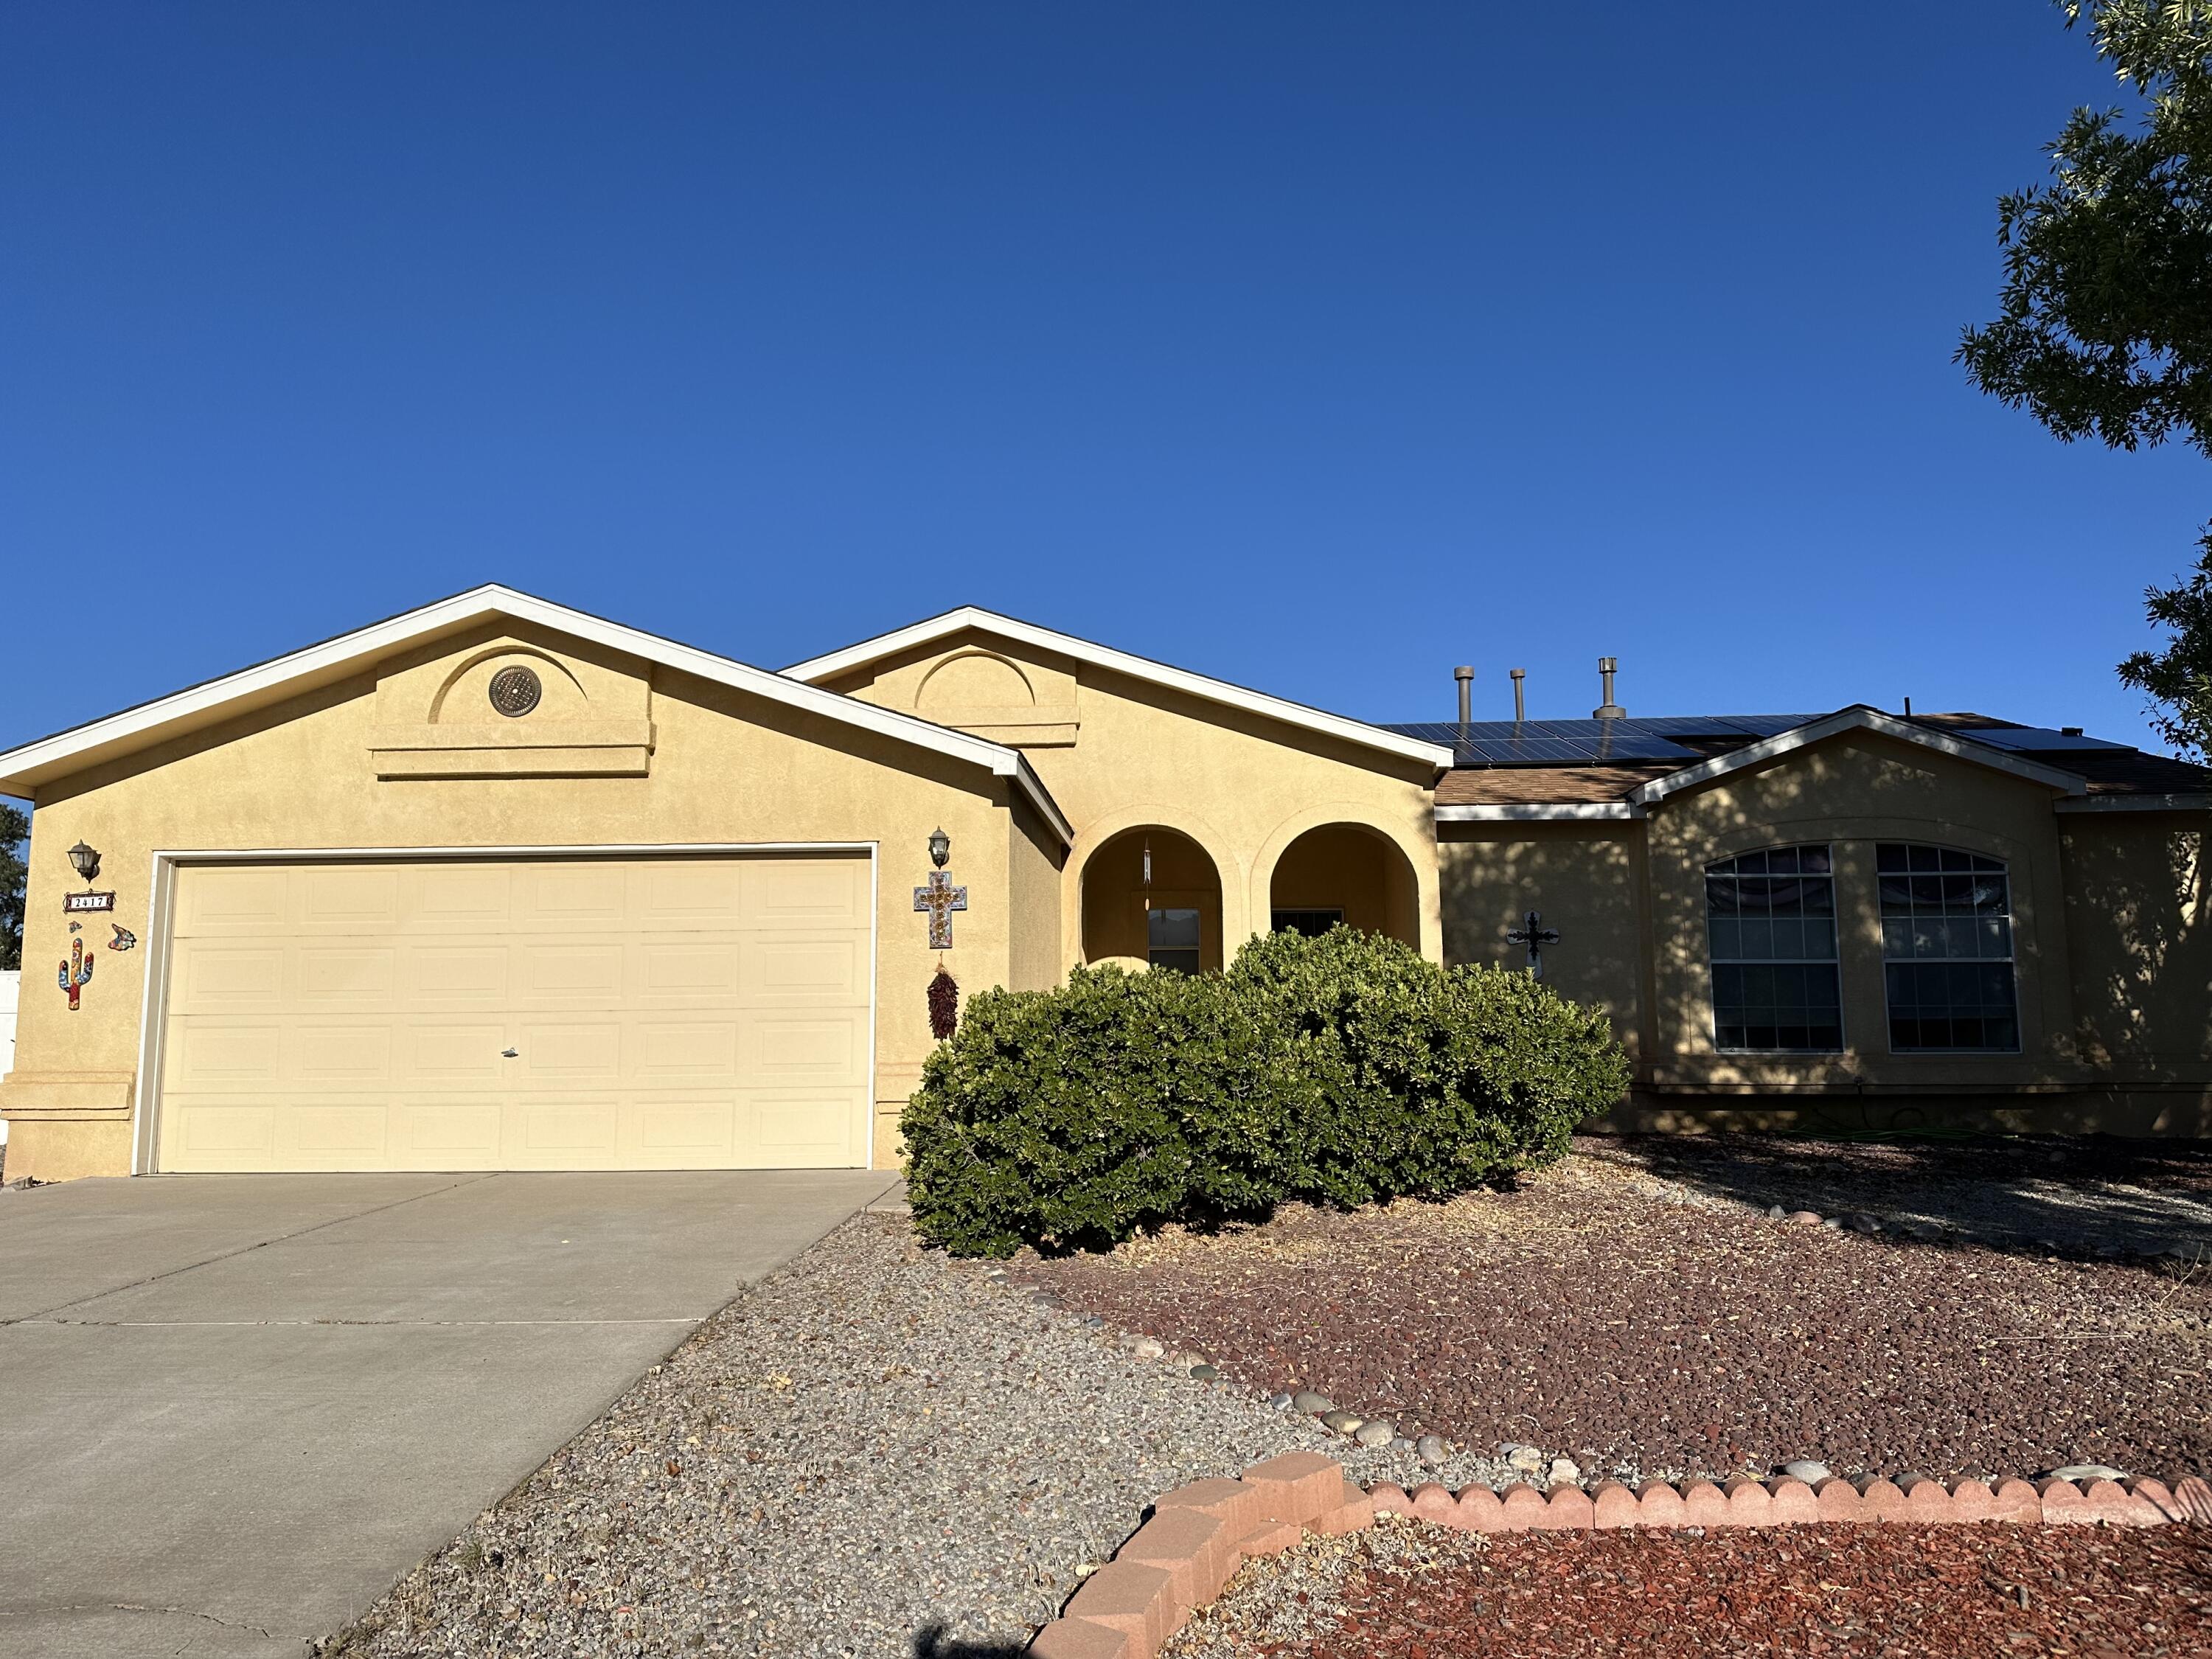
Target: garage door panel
[(249, 899), (698, 1049), (350, 898), (665, 1014), (477, 975), (446, 1053), (336, 974), (357, 1054), (212, 977)]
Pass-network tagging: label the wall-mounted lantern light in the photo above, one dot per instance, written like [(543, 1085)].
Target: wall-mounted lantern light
[(940, 847), (85, 861)]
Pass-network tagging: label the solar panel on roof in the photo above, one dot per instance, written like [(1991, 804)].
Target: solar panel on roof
[(2033, 739)]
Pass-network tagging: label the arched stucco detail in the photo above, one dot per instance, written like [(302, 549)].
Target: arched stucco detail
[(1234, 875), (504, 649), (1419, 852), (937, 682)]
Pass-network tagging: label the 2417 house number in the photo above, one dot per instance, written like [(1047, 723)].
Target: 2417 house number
[(77, 904)]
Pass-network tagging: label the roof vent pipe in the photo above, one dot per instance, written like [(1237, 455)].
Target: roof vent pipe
[(1520, 694), (1608, 710), (1464, 676)]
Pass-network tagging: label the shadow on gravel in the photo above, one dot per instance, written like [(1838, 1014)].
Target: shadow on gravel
[(2089, 1198), (931, 1641)]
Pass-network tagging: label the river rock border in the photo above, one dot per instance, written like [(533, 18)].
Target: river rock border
[(1199, 1534)]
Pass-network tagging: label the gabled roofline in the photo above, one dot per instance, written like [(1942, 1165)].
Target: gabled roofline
[(22, 769), (932, 629), (1860, 717)]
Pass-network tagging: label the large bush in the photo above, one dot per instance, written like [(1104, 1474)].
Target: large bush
[(1340, 1070)]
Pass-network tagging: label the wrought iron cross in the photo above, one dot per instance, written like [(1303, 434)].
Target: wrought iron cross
[(941, 898), (1532, 933)]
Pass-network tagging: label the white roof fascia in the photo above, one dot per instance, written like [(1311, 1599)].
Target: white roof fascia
[(2137, 803), (22, 769), (1141, 668), (1535, 811), (1854, 720)]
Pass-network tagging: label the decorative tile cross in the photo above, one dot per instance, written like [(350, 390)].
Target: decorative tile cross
[(941, 898), (1532, 933)]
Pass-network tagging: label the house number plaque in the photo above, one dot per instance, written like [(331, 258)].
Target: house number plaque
[(78, 903)]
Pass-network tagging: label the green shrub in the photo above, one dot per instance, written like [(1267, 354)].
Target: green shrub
[(1340, 1070)]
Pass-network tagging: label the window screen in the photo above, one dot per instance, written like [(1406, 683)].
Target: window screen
[(1947, 949), (1771, 935)]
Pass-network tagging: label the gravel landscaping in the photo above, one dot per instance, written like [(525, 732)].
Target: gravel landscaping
[(1651, 1325), (1418, 1592), (876, 1451)]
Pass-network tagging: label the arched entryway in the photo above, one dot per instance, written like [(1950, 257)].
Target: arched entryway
[(1172, 920), (1349, 873)]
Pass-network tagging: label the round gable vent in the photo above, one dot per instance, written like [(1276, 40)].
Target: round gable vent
[(515, 691)]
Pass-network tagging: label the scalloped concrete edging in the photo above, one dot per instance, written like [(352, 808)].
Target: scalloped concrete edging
[(1200, 1533)]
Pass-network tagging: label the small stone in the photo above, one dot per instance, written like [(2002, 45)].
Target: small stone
[(1564, 1472), (1833, 1222), (1279, 1402), (1527, 1459), (2089, 1472), (1430, 1449), (1342, 1422), (1093, 1319), (1806, 1469), (1203, 1372), (1805, 1218), (1775, 1212), (1400, 1444), (1379, 1432), (1148, 1348), (1312, 1404)]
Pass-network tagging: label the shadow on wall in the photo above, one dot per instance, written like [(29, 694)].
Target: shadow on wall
[(2083, 1199), (931, 1641), (2139, 918)]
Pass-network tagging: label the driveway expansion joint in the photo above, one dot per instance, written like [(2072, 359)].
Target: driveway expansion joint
[(243, 1250), (159, 1613)]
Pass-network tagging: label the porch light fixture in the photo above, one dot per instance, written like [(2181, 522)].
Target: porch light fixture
[(940, 847), (85, 861)]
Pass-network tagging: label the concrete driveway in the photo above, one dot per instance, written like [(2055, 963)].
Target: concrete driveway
[(234, 1409)]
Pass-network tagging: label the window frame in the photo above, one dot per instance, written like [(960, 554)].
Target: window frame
[(1276, 913), (1154, 916), (1833, 961), (2010, 960)]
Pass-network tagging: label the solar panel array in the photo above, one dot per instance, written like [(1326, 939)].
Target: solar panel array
[(1636, 739)]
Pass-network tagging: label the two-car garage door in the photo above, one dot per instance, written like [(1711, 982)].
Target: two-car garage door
[(574, 1013)]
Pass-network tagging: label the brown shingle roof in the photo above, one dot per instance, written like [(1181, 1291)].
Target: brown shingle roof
[(1523, 786)]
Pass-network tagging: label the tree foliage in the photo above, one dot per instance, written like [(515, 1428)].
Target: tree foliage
[(2104, 327), (14, 877), (2105, 324)]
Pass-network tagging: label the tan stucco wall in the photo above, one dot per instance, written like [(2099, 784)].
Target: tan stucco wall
[(1851, 792), (1033, 903), (2139, 918), (1118, 753), (1586, 879), (724, 767)]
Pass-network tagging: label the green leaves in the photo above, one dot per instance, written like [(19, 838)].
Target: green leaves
[(14, 877), (2105, 324), (1340, 1070)]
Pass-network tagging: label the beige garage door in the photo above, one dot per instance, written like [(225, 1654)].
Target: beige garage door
[(518, 1014)]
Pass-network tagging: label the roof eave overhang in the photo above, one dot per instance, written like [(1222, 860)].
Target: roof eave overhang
[(1859, 719), (23, 769), (934, 629)]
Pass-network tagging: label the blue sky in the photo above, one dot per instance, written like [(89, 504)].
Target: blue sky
[(1317, 347)]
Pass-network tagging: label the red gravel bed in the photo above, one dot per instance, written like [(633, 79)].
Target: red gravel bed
[(1586, 1314), (1929, 1592)]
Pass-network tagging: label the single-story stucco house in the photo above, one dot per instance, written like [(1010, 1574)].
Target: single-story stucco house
[(497, 884)]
